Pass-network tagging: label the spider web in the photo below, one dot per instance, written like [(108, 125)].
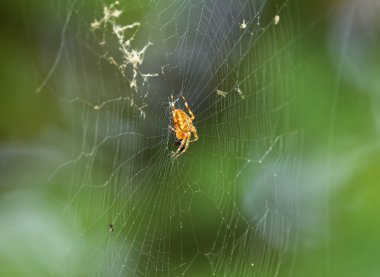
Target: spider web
[(228, 205)]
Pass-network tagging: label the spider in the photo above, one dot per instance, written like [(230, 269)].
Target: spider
[(183, 127)]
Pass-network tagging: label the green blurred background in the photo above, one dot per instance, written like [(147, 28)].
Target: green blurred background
[(337, 109)]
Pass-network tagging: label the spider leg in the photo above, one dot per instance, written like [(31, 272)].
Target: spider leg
[(177, 142), (171, 128), (187, 144), (173, 111), (188, 124), (177, 153), (188, 109), (194, 131), (172, 102)]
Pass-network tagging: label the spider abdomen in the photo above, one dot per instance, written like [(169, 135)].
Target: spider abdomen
[(183, 121)]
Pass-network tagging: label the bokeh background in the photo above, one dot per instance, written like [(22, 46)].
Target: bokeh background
[(337, 110)]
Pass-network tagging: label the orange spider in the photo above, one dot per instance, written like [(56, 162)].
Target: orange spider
[(183, 126)]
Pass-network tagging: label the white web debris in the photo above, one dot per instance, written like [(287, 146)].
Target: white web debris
[(130, 56), (276, 19), (243, 25), (221, 93), (110, 13), (163, 69), (240, 92)]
